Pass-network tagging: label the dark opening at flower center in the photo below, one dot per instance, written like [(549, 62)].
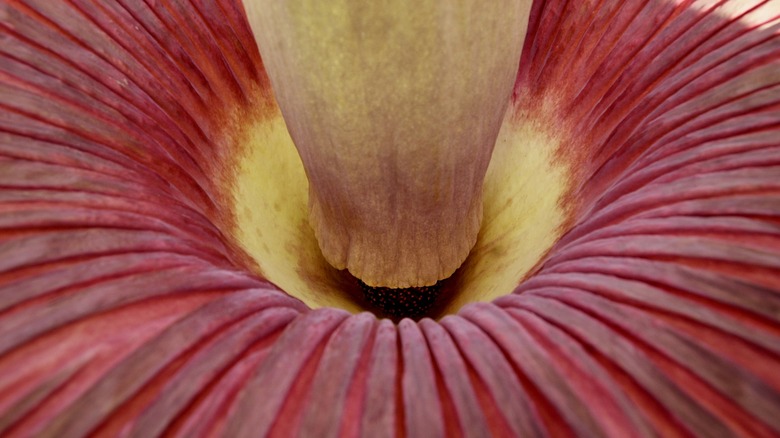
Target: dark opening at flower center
[(412, 302)]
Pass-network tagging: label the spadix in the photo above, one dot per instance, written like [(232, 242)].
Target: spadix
[(394, 108)]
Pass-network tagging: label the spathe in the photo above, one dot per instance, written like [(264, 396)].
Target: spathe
[(127, 306)]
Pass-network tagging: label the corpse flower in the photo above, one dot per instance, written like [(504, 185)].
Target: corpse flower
[(590, 241)]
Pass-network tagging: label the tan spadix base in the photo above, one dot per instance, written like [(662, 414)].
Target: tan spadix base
[(394, 108), (523, 217)]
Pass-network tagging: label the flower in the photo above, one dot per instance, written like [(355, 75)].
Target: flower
[(131, 302)]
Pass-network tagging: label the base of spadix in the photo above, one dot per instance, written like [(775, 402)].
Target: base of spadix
[(424, 251), (522, 219)]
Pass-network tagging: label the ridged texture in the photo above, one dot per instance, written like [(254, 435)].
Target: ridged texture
[(125, 310)]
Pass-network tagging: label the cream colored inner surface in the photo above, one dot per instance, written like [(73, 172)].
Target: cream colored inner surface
[(522, 217)]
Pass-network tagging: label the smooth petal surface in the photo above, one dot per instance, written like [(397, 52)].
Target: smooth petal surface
[(127, 307)]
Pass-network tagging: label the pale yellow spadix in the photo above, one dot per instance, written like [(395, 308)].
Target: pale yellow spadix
[(394, 107)]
